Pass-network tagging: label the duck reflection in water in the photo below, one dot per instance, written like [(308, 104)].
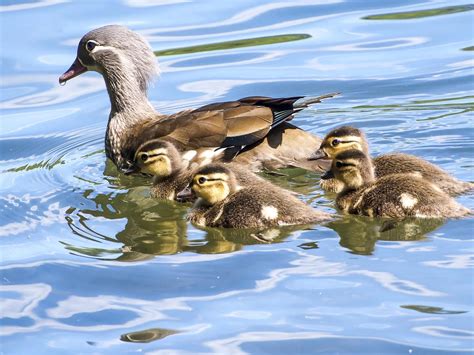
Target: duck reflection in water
[(156, 227), (152, 227), (359, 233)]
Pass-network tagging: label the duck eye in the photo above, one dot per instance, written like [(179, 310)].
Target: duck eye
[(339, 164), (144, 156), (202, 180), (335, 142), (90, 45)]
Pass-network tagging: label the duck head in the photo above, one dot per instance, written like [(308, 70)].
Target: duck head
[(112, 48), (156, 157), (353, 168), (213, 183), (340, 140)]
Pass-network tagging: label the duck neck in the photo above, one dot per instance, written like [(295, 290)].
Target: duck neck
[(129, 107), (127, 95), (358, 181)]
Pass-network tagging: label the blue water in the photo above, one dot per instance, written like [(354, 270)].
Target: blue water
[(91, 264)]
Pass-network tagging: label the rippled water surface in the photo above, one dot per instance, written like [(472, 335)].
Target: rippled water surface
[(91, 264)]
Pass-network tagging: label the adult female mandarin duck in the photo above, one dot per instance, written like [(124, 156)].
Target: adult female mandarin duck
[(253, 130)]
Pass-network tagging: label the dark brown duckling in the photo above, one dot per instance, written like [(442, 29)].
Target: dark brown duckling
[(225, 202), (258, 124), (347, 138), (394, 196)]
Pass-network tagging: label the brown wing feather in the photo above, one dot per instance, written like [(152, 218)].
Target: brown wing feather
[(200, 129), (234, 123)]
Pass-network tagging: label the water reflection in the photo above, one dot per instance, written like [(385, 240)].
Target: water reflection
[(409, 15), (359, 234), (147, 335), (431, 309), (18, 5), (241, 43), (144, 227), (155, 227)]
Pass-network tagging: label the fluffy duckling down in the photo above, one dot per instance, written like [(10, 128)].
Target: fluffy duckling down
[(172, 170), (394, 196), (346, 138), (224, 201)]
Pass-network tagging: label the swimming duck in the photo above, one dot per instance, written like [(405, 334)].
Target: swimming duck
[(256, 128), (346, 138), (394, 196), (224, 202)]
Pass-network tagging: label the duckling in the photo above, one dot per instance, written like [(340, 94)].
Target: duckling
[(171, 171), (224, 202), (346, 138), (395, 196), (253, 130)]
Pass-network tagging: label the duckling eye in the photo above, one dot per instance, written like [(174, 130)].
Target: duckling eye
[(144, 156), (335, 142), (90, 45), (339, 164), (202, 180)]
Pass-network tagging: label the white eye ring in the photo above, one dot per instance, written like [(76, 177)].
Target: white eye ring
[(90, 45)]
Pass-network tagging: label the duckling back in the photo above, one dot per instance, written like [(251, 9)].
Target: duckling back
[(400, 196), (399, 163), (252, 203), (253, 207), (347, 138)]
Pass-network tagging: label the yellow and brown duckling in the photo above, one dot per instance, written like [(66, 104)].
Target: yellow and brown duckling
[(255, 127), (394, 196), (172, 171), (225, 202), (347, 138)]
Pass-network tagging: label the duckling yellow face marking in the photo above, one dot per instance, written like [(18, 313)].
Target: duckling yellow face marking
[(155, 162), (212, 188), (334, 145), (348, 172)]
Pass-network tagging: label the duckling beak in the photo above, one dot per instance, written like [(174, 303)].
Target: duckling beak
[(74, 70), (129, 169), (319, 154), (185, 195), (328, 175)]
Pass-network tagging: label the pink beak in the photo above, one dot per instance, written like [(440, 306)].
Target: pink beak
[(76, 69)]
